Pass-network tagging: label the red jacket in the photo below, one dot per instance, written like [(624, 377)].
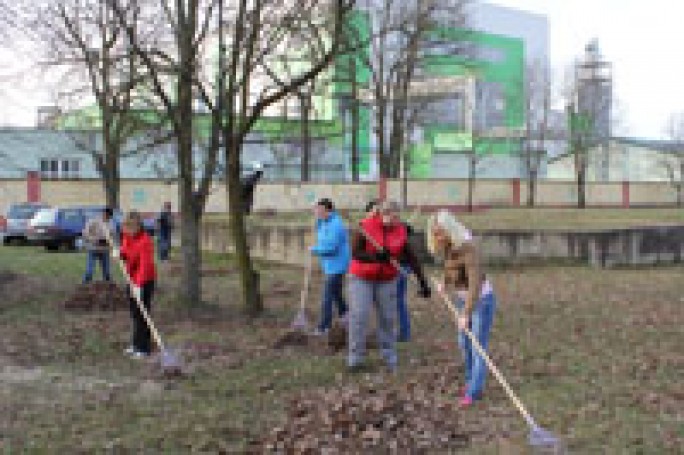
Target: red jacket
[(393, 238), (138, 253)]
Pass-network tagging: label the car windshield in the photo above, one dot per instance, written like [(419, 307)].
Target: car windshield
[(22, 212), (45, 216), (92, 213), (71, 215)]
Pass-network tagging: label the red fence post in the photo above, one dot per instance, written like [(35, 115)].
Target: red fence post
[(515, 183), (382, 188), (625, 194), (32, 186)]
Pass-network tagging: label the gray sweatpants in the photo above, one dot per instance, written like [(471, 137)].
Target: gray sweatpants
[(362, 295)]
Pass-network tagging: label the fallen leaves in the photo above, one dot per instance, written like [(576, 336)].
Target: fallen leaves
[(376, 414), (97, 296)]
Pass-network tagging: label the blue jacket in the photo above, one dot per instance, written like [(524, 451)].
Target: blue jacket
[(332, 245)]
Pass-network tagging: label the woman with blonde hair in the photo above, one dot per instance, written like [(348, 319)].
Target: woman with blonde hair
[(451, 242)]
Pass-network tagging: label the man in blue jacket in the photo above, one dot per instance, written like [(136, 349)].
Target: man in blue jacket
[(333, 249)]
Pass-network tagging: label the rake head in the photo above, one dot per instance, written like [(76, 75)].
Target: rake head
[(171, 363), (544, 441), (301, 322)]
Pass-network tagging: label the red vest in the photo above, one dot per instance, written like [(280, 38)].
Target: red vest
[(393, 238)]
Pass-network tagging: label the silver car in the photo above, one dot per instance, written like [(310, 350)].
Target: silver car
[(18, 218)]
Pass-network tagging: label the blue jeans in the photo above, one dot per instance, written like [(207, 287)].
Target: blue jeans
[(95, 256), (163, 246), (332, 293), (402, 307), (480, 325)]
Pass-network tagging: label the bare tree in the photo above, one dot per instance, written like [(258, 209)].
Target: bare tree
[(673, 159), (84, 39), (250, 39), (589, 112), (394, 62), (537, 106), (169, 40)]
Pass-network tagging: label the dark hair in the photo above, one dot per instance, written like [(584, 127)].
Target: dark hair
[(372, 205), (326, 203), (108, 211)]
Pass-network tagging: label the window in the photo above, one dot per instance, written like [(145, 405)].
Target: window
[(55, 169), (49, 169)]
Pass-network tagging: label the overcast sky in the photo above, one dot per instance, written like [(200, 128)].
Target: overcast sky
[(643, 39)]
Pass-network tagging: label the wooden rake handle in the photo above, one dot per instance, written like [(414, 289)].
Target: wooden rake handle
[(138, 301), (478, 347)]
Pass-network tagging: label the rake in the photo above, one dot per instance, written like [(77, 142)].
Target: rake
[(169, 359), (301, 321), (538, 438)]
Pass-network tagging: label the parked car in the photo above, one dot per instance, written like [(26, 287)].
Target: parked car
[(17, 222), (56, 228), (62, 227)]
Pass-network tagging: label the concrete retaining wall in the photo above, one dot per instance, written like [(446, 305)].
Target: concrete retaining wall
[(638, 246)]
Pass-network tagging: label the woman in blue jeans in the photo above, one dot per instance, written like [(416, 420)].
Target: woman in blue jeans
[(473, 293)]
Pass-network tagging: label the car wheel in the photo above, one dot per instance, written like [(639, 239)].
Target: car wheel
[(52, 246)]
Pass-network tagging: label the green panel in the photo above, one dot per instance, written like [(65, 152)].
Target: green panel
[(451, 141), (421, 161), (506, 67)]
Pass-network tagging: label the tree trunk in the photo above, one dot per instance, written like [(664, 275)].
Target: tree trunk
[(404, 179), (249, 279), (191, 283), (680, 187), (531, 187), (471, 180), (581, 194), (354, 123), (305, 107), (380, 134)]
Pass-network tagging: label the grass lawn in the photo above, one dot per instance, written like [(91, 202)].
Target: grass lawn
[(523, 218), (595, 354)]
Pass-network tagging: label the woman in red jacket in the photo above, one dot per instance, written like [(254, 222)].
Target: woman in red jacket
[(137, 251)]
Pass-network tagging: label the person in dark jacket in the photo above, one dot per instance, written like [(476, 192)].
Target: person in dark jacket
[(332, 247), (373, 282), (137, 251), (165, 229), (404, 333), (248, 187)]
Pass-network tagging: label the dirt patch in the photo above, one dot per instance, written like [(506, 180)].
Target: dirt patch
[(332, 343), (7, 277), (97, 296), (375, 416)]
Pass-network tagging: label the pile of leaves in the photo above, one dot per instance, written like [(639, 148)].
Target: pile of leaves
[(97, 296), (396, 417), (7, 277)]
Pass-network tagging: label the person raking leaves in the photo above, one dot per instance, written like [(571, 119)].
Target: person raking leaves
[(373, 282), (452, 242), (137, 251)]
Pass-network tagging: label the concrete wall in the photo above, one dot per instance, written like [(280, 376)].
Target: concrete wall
[(639, 246), (149, 195)]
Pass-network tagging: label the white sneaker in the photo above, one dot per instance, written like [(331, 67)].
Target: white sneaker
[(319, 332), (139, 355), (129, 350), (344, 321)]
